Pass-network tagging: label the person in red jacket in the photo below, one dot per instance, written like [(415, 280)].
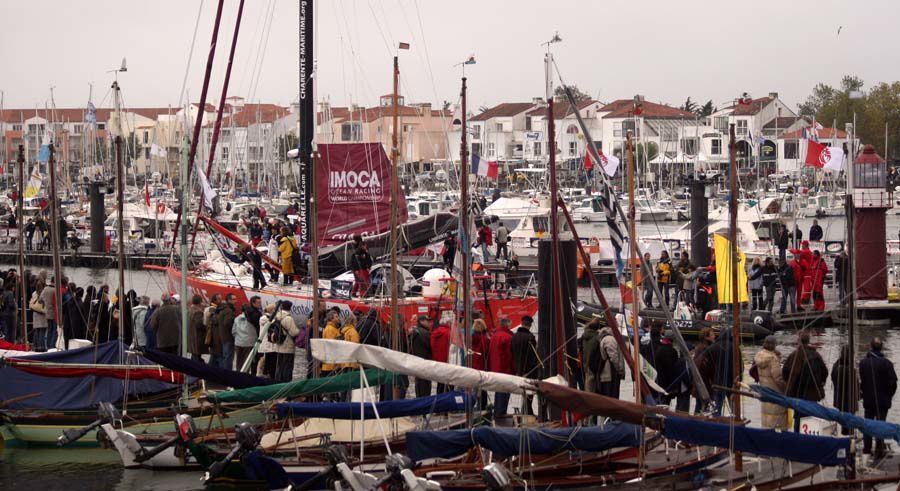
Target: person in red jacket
[(440, 345), (799, 269), (481, 343), (500, 360), (818, 270)]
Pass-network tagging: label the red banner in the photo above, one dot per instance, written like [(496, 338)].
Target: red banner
[(354, 191)]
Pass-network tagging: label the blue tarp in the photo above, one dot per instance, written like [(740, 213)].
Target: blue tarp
[(221, 376), (868, 427), (83, 392), (796, 447), (506, 442), (441, 403)]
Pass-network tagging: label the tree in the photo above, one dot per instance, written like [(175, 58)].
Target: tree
[(559, 93), (706, 109), (689, 105)]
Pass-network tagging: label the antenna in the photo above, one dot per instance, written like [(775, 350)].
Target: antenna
[(124, 67)]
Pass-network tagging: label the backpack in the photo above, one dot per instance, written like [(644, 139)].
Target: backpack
[(296, 259), (276, 333)]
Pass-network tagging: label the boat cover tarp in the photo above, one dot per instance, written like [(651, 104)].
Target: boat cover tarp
[(440, 403), (129, 372), (590, 404), (868, 427), (335, 351), (506, 442), (325, 385), (796, 447), (221, 376), (81, 392)]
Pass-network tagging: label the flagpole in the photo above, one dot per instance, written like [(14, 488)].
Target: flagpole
[(464, 235), (394, 218)]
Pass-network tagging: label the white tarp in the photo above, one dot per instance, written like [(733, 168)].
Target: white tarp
[(334, 351)]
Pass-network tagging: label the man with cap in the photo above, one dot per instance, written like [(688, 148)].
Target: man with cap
[(524, 353), (420, 345)]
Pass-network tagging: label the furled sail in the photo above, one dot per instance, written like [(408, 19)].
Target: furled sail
[(441, 403)]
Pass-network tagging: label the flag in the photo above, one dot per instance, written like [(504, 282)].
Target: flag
[(814, 152), (814, 131), (208, 192), (484, 168), (147, 193), (158, 151), (833, 158), (91, 114), (404, 45), (609, 164), (588, 165), (44, 154), (723, 271), (34, 183)]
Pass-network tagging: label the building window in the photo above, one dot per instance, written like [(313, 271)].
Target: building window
[(537, 149), (76, 129), (224, 153), (669, 134), (17, 127), (573, 149), (225, 133), (741, 127), (146, 137), (720, 123), (101, 126), (36, 129), (630, 125), (716, 146), (491, 151), (791, 149), (689, 146), (406, 128), (476, 132), (527, 123), (351, 132), (572, 130), (476, 149), (499, 127)]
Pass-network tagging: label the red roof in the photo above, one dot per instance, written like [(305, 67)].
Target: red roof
[(624, 108), (254, 113), (503, 110), (755, 106), (561, 109), (869, 156), (823, 133), (367, 115)]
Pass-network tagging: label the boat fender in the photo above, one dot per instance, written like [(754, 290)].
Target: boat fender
[(758, 320)]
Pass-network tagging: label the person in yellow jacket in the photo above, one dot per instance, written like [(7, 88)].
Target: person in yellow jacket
[(332, 331), (349, 333), (286, 246)]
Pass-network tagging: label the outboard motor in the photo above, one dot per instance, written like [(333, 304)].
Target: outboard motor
[(400, 473), (247, 439), (185, 431), (106, 412), (496, 477)]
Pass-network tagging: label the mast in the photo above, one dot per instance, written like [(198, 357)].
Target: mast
[(54, 231), (735, 298), (464, 234), (554, 222), (851, 290), (120, 204), (20, 240), (185, 206), (633, 263), (394, 218)]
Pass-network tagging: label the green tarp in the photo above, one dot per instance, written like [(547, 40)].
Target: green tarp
[(326, 385)]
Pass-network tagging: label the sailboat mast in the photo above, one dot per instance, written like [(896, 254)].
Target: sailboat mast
[(633, 263), (20, 239), (185, 208), (464, 236), (554, 223), (395, 153), (120, 203), (735, 298), (54, 230)]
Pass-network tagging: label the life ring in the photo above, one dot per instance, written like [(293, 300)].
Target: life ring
[(160, 208)]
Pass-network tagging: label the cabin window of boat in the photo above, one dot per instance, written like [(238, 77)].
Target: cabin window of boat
[(511, 223), (715, 146), (740, 127), (791, 149), (423, 209), (537, 149), (476, 149), (573, 149), (540, 224)]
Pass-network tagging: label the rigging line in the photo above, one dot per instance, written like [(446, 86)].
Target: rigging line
[(256, 32), (264, 49), (387, 45)]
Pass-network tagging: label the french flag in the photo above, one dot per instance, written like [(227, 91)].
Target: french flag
[(484, 168)]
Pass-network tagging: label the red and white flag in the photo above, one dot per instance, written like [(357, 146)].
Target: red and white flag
[(610, 164), (824, 157)]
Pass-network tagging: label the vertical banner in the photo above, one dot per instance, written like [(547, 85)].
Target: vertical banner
[(306, 119)]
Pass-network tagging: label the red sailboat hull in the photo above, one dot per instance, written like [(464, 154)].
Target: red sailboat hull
[(494, 307)]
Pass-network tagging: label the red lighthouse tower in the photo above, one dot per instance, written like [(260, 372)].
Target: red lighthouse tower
[(871, 199)]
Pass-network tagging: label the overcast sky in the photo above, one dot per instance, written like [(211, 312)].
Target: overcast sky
[(666, 50)]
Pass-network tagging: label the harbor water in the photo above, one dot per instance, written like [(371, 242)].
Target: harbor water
[(97, 469)]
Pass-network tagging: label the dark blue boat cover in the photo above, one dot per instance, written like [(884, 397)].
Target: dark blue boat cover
[(215, 375), (441, 403), (868, 427), (82, 392), (796, 447), (506, 442)]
